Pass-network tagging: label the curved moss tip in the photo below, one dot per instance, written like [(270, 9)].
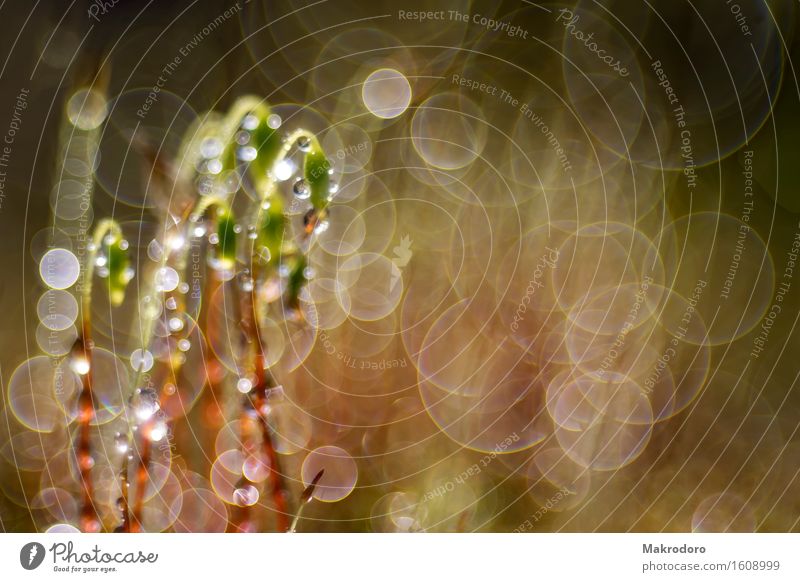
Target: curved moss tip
[(268, 143), (252, 115), (119, 272), (316, 174)]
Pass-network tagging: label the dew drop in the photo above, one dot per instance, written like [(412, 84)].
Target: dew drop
[(250, 122), (303, 143), (80, 365), (158, 431), (141, 360), (283, 170), (147, 404), (244, 385), (214, 166), (166, 279), (86, 461), (274, 121), (247, 153), (121, 442), (211, 148), (321, 226), (301, 190)]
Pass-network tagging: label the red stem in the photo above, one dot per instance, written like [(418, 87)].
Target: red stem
[(275, 479), (141, 481), (89, 520)]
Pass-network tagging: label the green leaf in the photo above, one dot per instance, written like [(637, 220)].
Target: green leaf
[(118, 273), (226, 247), (271, 231), (268, 142)]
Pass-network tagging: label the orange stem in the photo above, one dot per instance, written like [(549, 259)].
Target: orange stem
[(141, 482)]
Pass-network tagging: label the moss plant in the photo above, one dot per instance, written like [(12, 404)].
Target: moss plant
[(246, 149)]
